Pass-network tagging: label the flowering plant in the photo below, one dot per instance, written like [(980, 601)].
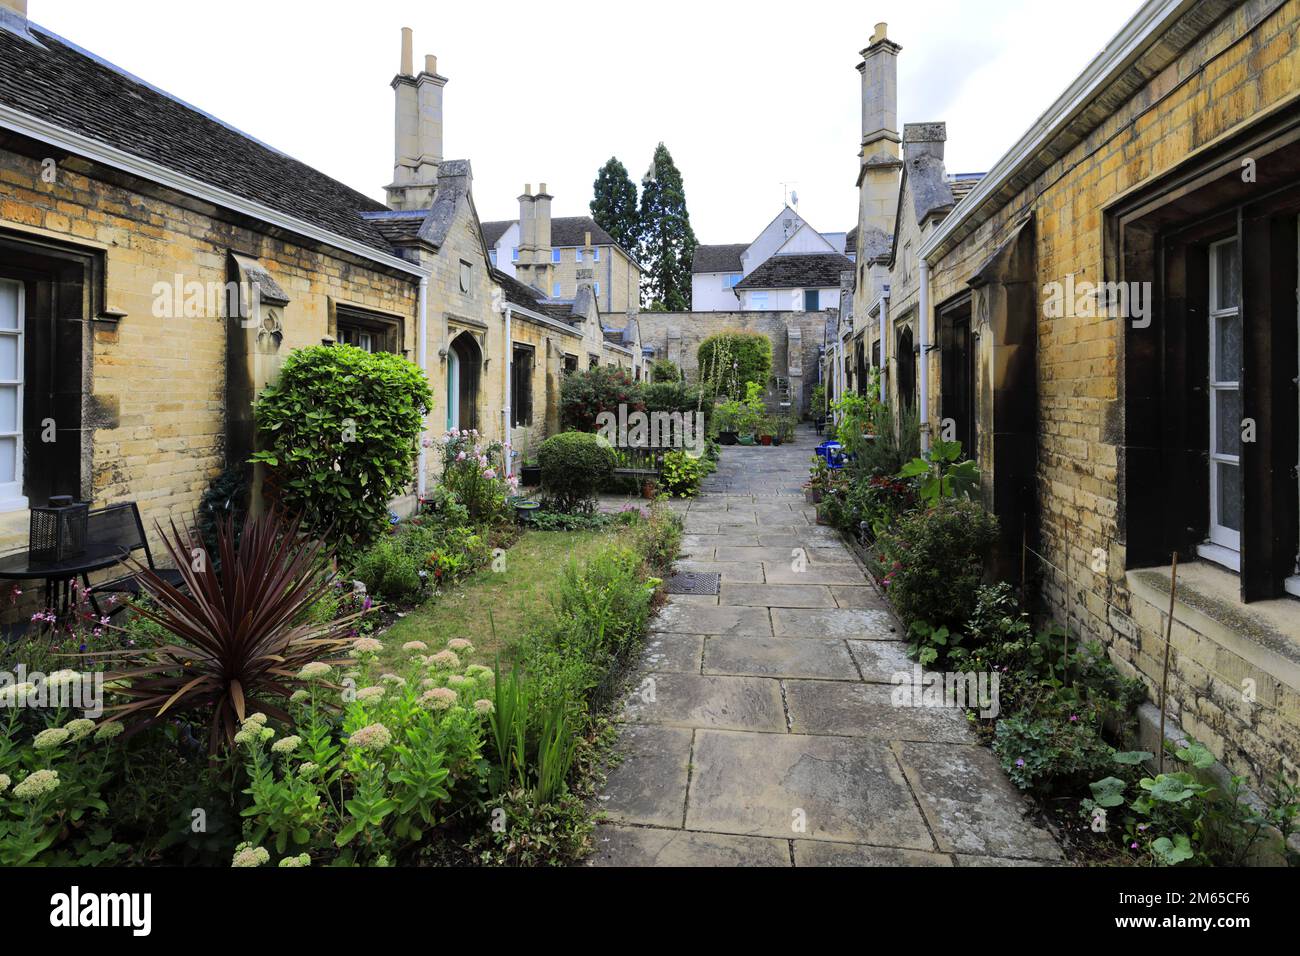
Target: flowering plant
[(474, 471)]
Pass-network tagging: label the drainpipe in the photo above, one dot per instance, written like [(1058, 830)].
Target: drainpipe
[(924, 319), (422, 360), (505, 412), (839, 366), (884, 343)]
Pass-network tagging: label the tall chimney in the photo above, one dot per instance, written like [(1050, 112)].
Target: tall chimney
[(542, 237), (924, 139), (527, 236), (429, 87), (879, 152), (417, 141)]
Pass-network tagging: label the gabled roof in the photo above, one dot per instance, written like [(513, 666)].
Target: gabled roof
[(815, 271), (61, 84), (718, 258), (493, 231)]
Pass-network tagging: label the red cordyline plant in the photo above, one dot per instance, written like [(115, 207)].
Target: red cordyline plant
[(242, 633)]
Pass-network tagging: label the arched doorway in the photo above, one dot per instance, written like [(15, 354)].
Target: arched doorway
[(906, 360), (464, 361)]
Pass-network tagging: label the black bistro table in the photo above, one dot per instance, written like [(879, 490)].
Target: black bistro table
[(58, 575)]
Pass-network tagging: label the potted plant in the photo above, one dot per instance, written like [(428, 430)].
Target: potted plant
[(785, 429), (525, 509), (727, 415), (766, 430), (530, 472)]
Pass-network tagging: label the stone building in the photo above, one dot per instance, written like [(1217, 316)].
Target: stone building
[(1108, 320), (570, 246), (789, 266), (158, 265)]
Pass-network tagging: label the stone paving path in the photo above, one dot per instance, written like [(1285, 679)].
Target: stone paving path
[(761, 730)]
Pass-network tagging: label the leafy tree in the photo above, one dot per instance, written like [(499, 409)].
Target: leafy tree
[(667, 240), (613, 205)]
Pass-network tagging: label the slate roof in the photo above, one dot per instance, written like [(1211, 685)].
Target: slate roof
[(71, 88), (962, 183), (719, 258), (811, 271), (493, 231), (565, 231)]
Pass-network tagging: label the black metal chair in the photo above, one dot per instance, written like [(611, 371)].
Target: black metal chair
[(119, 528)]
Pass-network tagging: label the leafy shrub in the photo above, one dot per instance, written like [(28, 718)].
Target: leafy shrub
[(1054, 747), (390, 571), (339, 430), (879, 501), (575, 466), (585, 394), (817, 407), (665, 370), (728, 361), (535, 833), (934, 561), (682, 474), (674, 397), (239, 635), (658, 540)]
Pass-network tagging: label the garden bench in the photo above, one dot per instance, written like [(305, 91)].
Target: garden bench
[(640, 461)]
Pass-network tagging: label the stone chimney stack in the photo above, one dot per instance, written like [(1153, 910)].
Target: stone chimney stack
[(527, 237), (878, 152), (924, 139), (542, 238), (418, 130)]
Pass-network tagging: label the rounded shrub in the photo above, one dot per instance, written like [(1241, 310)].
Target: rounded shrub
[(585, 394), (575, 465), (339, 434), (665, 370)]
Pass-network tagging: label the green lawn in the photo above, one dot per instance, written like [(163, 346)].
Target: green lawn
[(517, 598)]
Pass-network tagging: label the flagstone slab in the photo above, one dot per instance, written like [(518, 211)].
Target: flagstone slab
[(733, 572), (642, 846), (964, 859), (692, 700), (708, 600), (818, 853), (776, 657), (649, 785), (777, 595), (698, 547), (813, 535), (869, 710), (841, 574), (705, 524), (879, 661), (688, 619), (970, 804), (755, 554), (672, 653), (861, 596), (844, 789), (831, 555), (862, 624)]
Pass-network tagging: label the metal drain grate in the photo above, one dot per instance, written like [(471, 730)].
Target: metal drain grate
[(693, 582)]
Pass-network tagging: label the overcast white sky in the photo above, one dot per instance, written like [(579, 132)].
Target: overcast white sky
[(747, 96)]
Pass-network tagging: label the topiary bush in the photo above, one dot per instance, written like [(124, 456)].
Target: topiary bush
[(339, 432), (934, 562), (585, 394), (575, 466), (730, 360)]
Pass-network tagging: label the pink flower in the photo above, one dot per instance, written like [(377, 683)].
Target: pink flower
[(489, 474), (460, 456)]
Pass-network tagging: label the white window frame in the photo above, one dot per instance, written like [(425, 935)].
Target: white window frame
[(1224, 545), (11, 492), (555, 256), (595, 287), (577, 255), (514, 253), (595, 254), (556, 290)]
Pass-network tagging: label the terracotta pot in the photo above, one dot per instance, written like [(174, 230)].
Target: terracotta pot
[(648, 490), (765, 439)]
